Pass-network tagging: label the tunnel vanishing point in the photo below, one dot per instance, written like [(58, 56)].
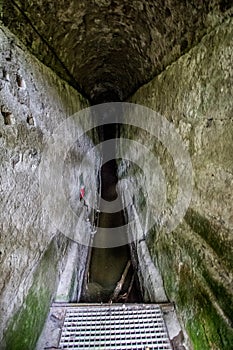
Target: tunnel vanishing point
[(168, 59)]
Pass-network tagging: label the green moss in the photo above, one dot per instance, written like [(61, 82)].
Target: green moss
[(165, 261), (223, 297), (211, 234), (207, 329), (26, 325), (197, 335)]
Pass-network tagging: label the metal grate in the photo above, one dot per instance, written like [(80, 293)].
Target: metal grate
[(114, 327)]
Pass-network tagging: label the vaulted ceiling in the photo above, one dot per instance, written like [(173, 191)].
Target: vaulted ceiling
[(108, 48)]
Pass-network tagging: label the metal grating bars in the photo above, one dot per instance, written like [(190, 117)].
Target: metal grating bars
[(135, 327)]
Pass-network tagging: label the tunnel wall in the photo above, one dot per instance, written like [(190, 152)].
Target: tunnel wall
[(33, 254), (196, 259)]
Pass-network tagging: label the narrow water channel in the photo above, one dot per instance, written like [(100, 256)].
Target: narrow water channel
[(111, 276)]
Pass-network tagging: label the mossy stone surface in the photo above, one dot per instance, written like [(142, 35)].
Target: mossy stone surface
[(26, 325), (196, 259)]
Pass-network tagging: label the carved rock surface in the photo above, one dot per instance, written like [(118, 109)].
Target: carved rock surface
[(196, 259), (109, 48), (34, 101)]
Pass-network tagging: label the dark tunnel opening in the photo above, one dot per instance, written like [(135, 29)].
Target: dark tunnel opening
[(111, 275)]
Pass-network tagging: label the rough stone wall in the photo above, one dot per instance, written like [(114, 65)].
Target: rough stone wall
[(196, 259), (34, 101)]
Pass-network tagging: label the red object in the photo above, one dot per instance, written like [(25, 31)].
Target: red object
[(82, 193)]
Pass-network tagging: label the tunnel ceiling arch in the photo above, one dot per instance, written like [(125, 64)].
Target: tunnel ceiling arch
[(108, 48)]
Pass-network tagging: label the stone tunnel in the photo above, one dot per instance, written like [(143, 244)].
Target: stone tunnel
[(170, 59)]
